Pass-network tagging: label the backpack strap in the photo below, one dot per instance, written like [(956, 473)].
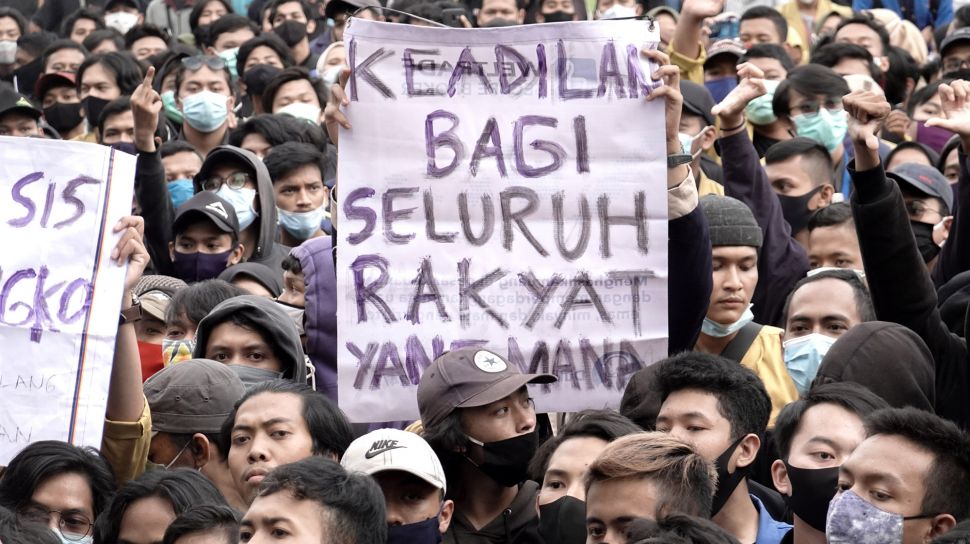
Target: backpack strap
[(737, 347)]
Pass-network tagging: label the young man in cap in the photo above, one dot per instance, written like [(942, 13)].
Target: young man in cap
[(720, 68), (697, 135), (205, 238), (62, 107), (479, 418), (929, 202), (955, 52), (189, 402), (412, 480), (153, 294), (18, 116)]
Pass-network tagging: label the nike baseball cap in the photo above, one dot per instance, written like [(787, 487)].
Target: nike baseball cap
[(467, 378), (394, 449)]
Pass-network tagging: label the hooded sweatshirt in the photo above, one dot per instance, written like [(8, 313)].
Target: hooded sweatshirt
[(316, 259), (518, 524), (276, 328), (271, 279), (888, 359)]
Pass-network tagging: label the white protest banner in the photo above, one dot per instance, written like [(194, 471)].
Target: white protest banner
[(502, 188), (60, 293)]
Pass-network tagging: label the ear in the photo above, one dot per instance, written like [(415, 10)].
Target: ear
[(171, 251), (236, 256), (707, 140), (210, 51), (200, 450), (779, 476), (883, 62), (447, 510), (938, 525), (311, 27), (747, 450), (824, 196)]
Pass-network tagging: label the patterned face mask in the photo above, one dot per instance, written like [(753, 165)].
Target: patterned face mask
[(852, 520)]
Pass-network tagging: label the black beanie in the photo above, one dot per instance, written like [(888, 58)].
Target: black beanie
[(730, 222)]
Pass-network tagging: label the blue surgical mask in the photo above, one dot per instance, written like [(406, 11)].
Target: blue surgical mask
[(803, 356), (205, 111), (853, 520), (171, 110), (721, 87), (759, 110), (422, 532), (179, 191), (717, 330), (242, 202), (687, 141), (302, 225), (229, 55), (826, 127)]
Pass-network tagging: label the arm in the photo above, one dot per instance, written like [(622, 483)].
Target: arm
[(686, 46)]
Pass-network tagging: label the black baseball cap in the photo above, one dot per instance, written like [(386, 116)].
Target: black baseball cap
[(698, 100), (335, 7), (957, 36), (12, 101), (209, 205), (924, 179)]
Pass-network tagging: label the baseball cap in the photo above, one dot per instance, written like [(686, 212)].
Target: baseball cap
[(467, 378), (698, 100), (394, 449), (207, 204), (49, 81), (194, 396), (129, 3), (154, 293), (335, 7), (11, 100), (924, 179), (957, 36), (664, 9), (725, 47)]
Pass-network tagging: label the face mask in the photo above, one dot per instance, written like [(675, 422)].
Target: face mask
[(795, 209), (331, 75), (229, 55), (302, 110), (179, 191), (563, 521), (291, 32), (250, 376), (242, 202), (177, 455), (687, 142), (124, 147), (422, 532), (924, 240), (296, 314), (507, 461), (933, 137), (93, 106), (205, 111), (812, 490), (8, 51), (759, 110), (192, 267), (619, 12), (558, 17), (176, 351), (89, 539), (726, 483), (122, 21), (63, 117), (717, 330), (803, 355), (826, 127), (151, 358), (852, 520), (171, 110), (302, 225), (721, 87)]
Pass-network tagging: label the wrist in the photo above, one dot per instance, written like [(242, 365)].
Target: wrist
[(729, 122), (674, 148)]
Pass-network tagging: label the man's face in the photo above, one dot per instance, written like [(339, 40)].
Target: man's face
[(503, 419), (735, 277), (552, 6), (861, 34), (281, 517), (203, 237), (757, 31), (164, 449), (409, 499), (205, 79), (291, 11), (299, 90), (148, 46), (68, 493), (693, 416), (64, 60), (824, 307), (922, 209), (825, 437), (788, 178), (119, 128), (145, 521), (498, 9), (182, 328), (931, 108), (301, 189), (799, 104), (263, 55), (60, 95), (612, 504), (567, 468), (231, 40), (211, 13), (100, 83), (150, 330), (957, 57), (234, 345), (772, 68), (721, 66), (294, 289), (182, 165), (19, 124), (849, 66), (269, 431), (8, 29), (836, 246), (81, 29)]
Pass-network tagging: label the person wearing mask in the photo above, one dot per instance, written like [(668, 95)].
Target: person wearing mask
[(187, 308), (255, 278), (122, 15), (495, 13), (832, 241), (814, 435), (116, 127), (697, 136), (152, 295), (101, 79), (292, 21), (204, 95), (205, 238), (411, 479), (302, 199), (721, 409), (181, 162), (929, 201), (556, 11), (295, 92), (904, 483), (57, 93), (13, 25), (225, 37), (720, 68), (204, 524), (18, 116), (800, 171), (774, 63)]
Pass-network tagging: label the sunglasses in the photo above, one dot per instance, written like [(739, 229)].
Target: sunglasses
[(194, 63)]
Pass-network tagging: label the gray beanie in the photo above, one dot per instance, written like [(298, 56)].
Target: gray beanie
[(730, 222)]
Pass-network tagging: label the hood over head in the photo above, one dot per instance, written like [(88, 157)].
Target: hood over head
[(272, 280), (316, 260)]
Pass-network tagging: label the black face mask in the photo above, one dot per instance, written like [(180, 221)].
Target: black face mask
[(563, 521), (93, 106), (726, 483), (558, 17), (795, 209), (63, 117), (507, 461), (422, 532), (924, 240), (812, 490), (291, 32)]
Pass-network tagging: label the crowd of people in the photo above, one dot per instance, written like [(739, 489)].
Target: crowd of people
[(817, 164)]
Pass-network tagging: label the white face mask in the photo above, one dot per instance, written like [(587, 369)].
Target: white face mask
[(122, 21), (618, 11), (302, 110), (8, 51)]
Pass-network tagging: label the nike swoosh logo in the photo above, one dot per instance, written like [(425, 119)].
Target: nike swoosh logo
[(374, 453)]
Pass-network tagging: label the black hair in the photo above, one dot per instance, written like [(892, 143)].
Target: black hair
[(352, 502), (808, 80), (741, 396), (950, 147), (36, 42), (328, 426), (677, 528), (94, 40), (765, 12), (607, 425), (197, 299), (837, 213), (145, 31), (834, 53), (930, 155), (863, 301), (89, 13), (868, 20), (205, 518), (117, 106), (18, 17), (180, 70), (902, 67), (850, 396), (289, 156), (229, 23), (949, 477), (58, 46), (768, 51), (303, 5), (46, 459), (126, 70), (923, 95), (960, 533), (183, 488), (199, 6), (17, 531), (277, 130), (293, 73), (291, 264), (815, 159), (268, 39), (175, 147)]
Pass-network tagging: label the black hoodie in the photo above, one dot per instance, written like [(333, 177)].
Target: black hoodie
[(518, 524)]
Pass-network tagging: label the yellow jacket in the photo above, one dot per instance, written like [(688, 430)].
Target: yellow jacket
[(789, 11), (765, 358)]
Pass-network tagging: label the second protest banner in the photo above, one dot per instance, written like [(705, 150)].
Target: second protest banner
[(503, 188)]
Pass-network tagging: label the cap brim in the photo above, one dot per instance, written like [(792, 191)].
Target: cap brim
[(916, 185), (382, 468), (23, 109), (505, 387), (195, 214)]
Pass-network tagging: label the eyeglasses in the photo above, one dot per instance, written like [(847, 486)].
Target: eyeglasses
[(953, 64), (915, 208), (234, 181), (72, 525), (194, 63)]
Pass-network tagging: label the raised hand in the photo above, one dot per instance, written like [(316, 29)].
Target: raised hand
[(897, 123), (669, 74), (146, 104), (131, 248), (701, 9), (333, 115), (865, 112), (955, 98), (751, 86)]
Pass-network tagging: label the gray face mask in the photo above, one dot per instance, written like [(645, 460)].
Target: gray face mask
[(250, 376)]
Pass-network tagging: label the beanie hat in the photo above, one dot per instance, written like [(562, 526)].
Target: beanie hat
[(730, 222)]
